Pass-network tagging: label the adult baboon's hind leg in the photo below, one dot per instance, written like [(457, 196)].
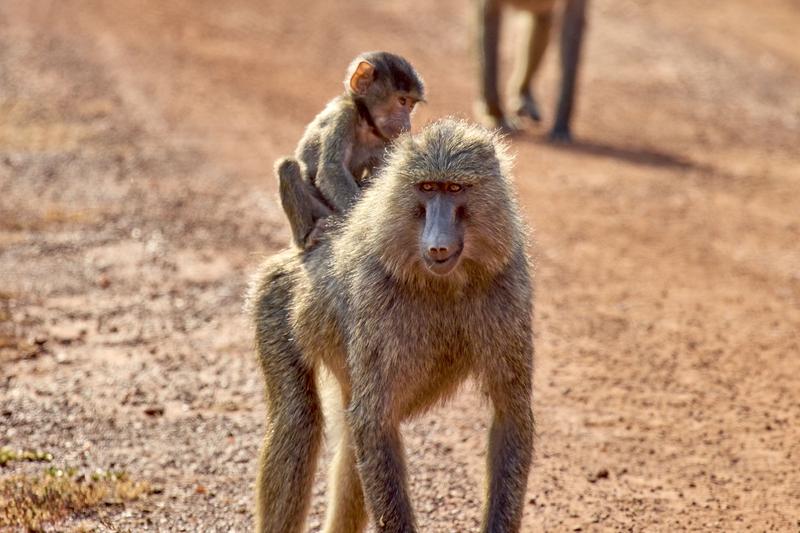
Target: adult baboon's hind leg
[(346, 508), (294, 433)]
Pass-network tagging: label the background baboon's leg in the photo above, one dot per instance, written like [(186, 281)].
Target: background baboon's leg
[(294, 433), (488, 32), (572, 30), (346, 510), (533, 43)]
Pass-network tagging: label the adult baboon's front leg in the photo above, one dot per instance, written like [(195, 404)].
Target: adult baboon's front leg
[(379, 454), (510, 450), (510, 446)]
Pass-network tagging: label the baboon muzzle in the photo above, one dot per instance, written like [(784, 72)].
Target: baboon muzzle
[(442, 240)]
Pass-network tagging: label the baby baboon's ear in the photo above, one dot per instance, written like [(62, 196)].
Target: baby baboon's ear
[(362, 77)]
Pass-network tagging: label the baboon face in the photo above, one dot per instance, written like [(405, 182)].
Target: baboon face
[(389, 87), (393, 115), (443, 206), (441, 213), (447, 211)]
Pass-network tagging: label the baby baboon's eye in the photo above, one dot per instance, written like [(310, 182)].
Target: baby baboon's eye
[(402, 100), (427, 186), (454, 187)]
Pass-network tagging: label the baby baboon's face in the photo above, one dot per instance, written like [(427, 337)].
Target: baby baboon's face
[(393, 115)]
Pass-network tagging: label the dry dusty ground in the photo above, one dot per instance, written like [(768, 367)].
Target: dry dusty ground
[(136, 145)]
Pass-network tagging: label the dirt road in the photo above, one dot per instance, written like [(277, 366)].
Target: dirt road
[(136, 197)]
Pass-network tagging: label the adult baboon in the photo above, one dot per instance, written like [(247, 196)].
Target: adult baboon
[(538, 18), (423, 284), (344, 143)]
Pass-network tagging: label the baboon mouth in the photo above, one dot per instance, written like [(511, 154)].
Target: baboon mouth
[(442, 267)]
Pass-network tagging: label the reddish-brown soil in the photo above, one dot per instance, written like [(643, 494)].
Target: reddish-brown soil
[(136, 197)]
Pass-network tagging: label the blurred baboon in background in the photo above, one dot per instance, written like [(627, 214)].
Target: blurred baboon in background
[(538, 18), (424, 284)]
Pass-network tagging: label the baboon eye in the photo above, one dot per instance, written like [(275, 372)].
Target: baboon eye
[(454, 187), (427, 186), (402, 100)]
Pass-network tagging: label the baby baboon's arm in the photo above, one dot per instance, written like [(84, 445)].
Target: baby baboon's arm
[(334, 179)]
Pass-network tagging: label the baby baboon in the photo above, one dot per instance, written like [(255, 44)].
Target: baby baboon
[(423, 284), (344, 143), (538, 18)]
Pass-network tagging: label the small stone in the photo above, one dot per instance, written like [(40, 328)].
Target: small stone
[(600, 474), (154, 410)]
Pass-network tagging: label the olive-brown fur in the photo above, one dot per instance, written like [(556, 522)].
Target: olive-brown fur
[(398, 339)]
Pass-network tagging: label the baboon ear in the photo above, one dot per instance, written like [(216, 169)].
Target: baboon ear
[(362, 77)]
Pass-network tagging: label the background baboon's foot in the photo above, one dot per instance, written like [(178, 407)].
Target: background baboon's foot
[(524, 106), (560, 135), (494, 119)]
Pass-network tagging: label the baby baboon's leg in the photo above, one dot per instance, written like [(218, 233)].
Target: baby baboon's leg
[(298, 200), (346, 508), (532, 47), (294, 434)]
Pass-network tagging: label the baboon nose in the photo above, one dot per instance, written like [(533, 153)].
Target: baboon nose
[(439, 253)]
